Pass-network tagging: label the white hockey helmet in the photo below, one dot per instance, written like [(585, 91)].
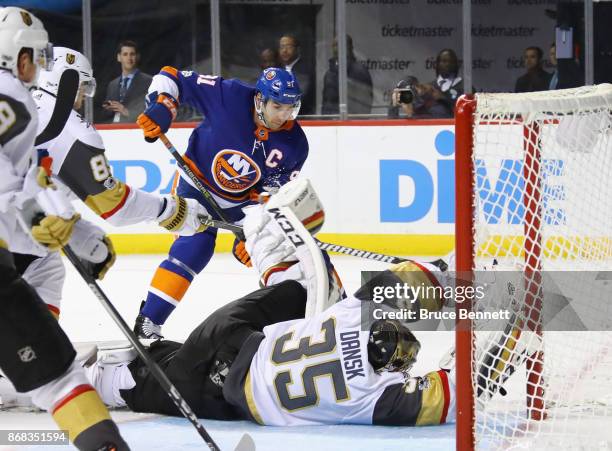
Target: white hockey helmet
[(20, 29), (65, 58)]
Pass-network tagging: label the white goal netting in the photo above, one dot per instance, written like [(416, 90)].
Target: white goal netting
[(542, 198)]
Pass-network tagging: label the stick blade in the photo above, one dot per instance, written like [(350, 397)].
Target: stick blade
[(66, 93), (246, 443)]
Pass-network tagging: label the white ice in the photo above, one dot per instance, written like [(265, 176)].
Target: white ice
[(224, 279)]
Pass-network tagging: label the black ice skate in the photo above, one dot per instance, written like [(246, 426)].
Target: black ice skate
[(147, 329)]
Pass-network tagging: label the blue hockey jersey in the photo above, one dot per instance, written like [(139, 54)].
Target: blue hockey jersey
[(228, 151)]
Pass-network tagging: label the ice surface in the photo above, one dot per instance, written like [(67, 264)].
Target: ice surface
[(223, 280)]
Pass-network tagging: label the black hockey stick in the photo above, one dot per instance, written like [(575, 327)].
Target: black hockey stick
[(321, 244), (246, 442), (237, 230), (66, 94)]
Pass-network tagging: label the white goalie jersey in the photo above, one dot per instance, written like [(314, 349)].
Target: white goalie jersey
[(316, 370)]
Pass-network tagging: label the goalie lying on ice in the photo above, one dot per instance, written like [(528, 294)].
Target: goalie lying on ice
[(258, 357)]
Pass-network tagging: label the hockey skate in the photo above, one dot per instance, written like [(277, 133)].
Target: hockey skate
[(145, 329)]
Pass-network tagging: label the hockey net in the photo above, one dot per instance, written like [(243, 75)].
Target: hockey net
[(534, 201)]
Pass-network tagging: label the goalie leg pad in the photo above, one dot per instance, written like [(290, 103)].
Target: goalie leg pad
[(35, 350)]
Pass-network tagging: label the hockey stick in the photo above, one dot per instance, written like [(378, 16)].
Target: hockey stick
[(66, 93), (246, 442), (196, 181), (237, 230), (359, 253)]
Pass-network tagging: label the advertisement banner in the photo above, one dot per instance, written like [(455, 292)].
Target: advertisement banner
[(392, 182), (397, 38)]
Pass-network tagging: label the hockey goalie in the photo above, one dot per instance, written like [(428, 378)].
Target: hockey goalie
[(259, 358)]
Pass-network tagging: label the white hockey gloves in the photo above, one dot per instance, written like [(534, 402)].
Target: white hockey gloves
[(182, 216)]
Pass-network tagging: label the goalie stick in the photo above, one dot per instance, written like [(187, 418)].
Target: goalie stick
[(237, 230), (66, 93), (246, 442)]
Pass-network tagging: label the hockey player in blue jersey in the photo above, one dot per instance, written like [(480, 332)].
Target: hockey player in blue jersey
[(248, 142)]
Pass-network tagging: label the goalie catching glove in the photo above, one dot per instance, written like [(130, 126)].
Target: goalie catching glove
[(182, 216)]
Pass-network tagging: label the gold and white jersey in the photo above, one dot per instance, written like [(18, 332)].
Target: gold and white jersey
[(315, 371), (79, 161)]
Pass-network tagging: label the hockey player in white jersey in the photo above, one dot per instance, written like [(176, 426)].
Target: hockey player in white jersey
[(259, 358), (76, 159), (36, 354)]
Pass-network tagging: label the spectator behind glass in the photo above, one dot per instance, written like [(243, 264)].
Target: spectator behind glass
[(410, 99), (567, 73), (125, 94), (448, 81), (359, 86), (268, 58), (536, 78), (290, 59)]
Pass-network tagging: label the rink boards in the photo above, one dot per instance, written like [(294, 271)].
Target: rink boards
[(387, 186)]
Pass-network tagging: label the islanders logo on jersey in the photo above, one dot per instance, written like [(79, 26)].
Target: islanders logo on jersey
[(234, 171)]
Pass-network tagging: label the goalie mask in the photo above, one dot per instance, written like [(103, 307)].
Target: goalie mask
[(392, 347), (18, 30), (63, 59)]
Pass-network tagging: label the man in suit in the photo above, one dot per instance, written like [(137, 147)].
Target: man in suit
[(567, 73), (125, 94), (291, 61)]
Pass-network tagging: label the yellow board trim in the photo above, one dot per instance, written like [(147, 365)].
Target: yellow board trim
[(397, 245)]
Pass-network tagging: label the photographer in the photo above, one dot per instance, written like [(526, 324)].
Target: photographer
[(411, 99)]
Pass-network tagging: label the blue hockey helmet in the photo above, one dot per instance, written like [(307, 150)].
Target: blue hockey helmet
[(280, 86)]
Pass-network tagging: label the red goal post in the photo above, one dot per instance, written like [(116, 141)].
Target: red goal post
[(511, 149)]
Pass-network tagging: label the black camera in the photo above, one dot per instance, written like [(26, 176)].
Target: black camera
[(407, 90)]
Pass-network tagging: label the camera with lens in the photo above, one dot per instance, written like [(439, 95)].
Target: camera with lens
[(407, 90)]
